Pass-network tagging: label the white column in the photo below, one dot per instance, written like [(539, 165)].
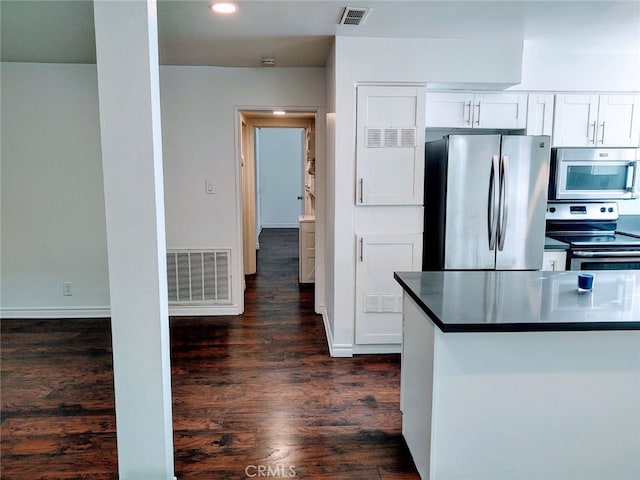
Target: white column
[(128, 88)]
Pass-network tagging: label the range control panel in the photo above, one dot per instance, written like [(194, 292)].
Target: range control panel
[(582, 211)]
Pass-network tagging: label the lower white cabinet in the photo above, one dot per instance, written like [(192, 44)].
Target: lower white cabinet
[(554, 260), (307, 249), (378, 295)]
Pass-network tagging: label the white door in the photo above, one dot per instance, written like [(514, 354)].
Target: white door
[(378, 295), (619, 121), (279, 158), (540, 114), (575, 121), (390, 145), (449, 110), (500, 110)]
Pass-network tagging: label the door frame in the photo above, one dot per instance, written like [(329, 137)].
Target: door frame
[(248, 120)]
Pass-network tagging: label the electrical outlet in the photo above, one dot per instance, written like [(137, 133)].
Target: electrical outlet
[(66, 289)]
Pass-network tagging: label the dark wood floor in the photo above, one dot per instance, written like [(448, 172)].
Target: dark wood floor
[(253, 395)]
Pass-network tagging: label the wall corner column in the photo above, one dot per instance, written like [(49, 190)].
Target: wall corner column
[(129, 100)]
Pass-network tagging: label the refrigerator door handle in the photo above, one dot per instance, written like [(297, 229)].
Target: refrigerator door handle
[(492, 210), (504, 195)]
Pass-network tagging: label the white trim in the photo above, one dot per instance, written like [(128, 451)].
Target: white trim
[(340, 350), (382, 348), (203, 311), (102, 312), (56, 312)]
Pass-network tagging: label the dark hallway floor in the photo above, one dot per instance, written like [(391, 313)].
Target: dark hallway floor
[(256, 393)]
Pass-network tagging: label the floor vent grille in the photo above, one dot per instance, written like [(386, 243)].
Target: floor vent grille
[(201, 277)]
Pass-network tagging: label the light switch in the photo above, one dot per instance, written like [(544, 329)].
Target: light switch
[(208, 187)]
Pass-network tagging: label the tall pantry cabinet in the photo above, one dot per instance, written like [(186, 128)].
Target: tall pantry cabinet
[(389, 206)]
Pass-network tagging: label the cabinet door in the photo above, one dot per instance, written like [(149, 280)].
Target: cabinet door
[(378, 295), (540, 114), (449, 110), (500, 110), (390, 145), (307, 251), (575, 121), (618, 121), (554, 260)]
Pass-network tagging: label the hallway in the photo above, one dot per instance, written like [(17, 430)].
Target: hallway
[(252, 394)]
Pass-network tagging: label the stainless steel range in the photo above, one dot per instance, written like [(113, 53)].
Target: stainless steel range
[(590, 230)]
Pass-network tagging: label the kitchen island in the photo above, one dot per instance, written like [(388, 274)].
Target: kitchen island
[(511, 375)]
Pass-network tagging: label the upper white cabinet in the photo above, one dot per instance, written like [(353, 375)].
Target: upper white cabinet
[(540, 114), (390, 145), (597, 120), (476, 110)]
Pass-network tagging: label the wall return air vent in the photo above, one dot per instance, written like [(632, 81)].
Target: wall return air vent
[(199, 277), (354, 16)]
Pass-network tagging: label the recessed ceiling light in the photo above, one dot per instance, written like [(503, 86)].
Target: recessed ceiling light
[(279, 112), (224, 8)]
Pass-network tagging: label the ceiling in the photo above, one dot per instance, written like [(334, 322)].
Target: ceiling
[(300, 33)]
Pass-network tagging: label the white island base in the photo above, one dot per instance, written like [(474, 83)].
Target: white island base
[(558, 405)]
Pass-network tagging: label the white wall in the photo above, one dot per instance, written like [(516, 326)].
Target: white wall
[(53, 222), (53, 218), (279, 159), (199, 125), (548, 66), (329, 198)]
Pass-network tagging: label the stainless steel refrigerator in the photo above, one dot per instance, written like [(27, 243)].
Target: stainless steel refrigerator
[(485, 202)]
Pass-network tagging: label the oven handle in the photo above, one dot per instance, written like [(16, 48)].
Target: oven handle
[(618, 253), (632, 185)]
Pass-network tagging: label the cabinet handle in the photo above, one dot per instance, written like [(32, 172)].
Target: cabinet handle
[(592, 138), (361, 251), (602, 132), (361, 190), (468, 115), (478, 117)]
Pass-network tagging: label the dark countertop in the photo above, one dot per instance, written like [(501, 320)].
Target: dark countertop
[(521, 301), (553, 244), (629, 224)]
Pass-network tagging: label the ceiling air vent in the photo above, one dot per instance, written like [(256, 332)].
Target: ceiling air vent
[(354, 16)]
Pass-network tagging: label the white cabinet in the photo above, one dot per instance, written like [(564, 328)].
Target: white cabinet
[(554, 260), (597, 120), (540, 114), (476, 110), (307, 249), (390, 145), (378, 295)]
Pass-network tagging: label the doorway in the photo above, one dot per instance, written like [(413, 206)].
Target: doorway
[(249, 122)]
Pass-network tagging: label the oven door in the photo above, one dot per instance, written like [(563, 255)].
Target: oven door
[(596, 180), (601, 260)]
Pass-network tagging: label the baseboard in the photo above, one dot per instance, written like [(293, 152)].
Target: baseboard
[(381, 348), (102, 312), (340, 350), (203, 310), (56, 312)]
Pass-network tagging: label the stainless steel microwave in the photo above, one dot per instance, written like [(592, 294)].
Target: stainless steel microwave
[(594, 173)]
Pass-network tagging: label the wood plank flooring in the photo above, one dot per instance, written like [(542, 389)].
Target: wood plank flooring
[(255, 395)]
